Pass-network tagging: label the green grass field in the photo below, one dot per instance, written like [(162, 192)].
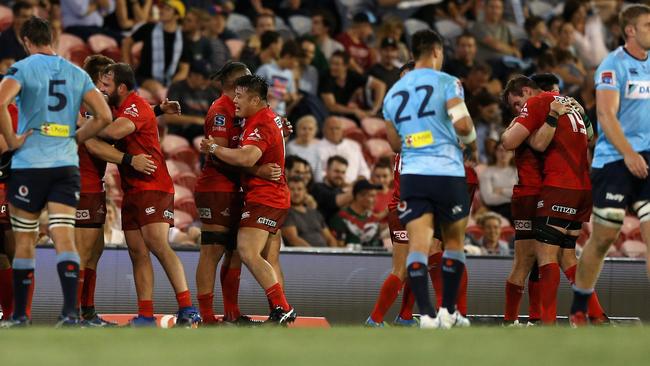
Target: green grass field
[(337, 346)]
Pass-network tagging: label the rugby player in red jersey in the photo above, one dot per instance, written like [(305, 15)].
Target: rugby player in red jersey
[(266, 203), (564, 201), (148, 205)]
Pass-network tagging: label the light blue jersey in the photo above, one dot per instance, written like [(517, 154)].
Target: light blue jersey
[(417, 107), (630, 77), (51, 93)]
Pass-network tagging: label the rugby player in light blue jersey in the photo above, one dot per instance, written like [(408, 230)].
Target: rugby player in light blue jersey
[(45, 168), (426, 117), (620, 165)]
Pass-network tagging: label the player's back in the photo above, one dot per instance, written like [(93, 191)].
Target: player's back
[(417, 106), (52, 91), (530, 165)]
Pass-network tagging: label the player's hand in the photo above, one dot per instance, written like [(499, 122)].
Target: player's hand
[(636, 164), (19, 141), (170, 107), (205, 145), (143, 164), (270, 171), (575, 105), (560, 108)]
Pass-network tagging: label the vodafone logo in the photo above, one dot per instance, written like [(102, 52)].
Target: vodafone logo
[(402, 206), (523, 225), (23, 191), (401, 235)]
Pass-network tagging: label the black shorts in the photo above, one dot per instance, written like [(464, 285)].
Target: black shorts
[(32, 189), (445, 197), (613, 186)]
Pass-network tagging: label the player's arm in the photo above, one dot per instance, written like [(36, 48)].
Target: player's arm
[(119, 129), (9, 88), (393, 137), (542, 137), (378, 88), (514, 136), (182, 119), (245, 156), (290, 234), (101, 115), (463, 125), (607, 105), (141, 162)]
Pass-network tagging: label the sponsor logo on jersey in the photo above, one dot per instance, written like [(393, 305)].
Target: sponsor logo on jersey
[(401, 235), (168, 214), (460, 92), (245, 215), (457, 209), (524, 111), (205, 213), (401, 206), (638, 89), (255, 135), (266, 221), (614, 197), (634, 72), (219, 120), (540, 204), (83, 215), (132, 111), (150, 210), (278, 121), (419, 139), (523, 225), (23, 190), (226, 212), (11, 71), (564, 209), (608, 77)]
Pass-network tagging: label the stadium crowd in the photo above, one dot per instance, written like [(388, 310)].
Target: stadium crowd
[(329, 65)]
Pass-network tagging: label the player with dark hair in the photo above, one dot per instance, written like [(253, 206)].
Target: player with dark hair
[(438, 115), (148, 206), (620, 164), (45, 166), (266, 203)]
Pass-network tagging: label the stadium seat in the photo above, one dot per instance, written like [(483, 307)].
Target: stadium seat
[(414, 25), (235, 46), (237, 22), (181, 193), (78, 54), (541, 9), (347, 123), (448, 28), (136, 54), (187, 205), (176, 167), (300, 24), (379, 148), (374, 127), (518, 33), (508, 234), (171, 143), (634, 249), (356, 134), (185, 179), (113, 53), (629, 224), (100, 42), (182, 219), (474, 231), (6, 18), (66, 43), (186, 155), (281, 27)]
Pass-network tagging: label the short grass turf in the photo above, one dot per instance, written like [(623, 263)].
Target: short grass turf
[(330, 347)]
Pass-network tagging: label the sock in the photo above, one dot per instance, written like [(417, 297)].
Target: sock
[(30, 296), (453, 265), (594, 310), (230, 291), (408, 299), (534, 295), (145, 308), (417, 274), (88, 293), (276, 297), (7, 292), (461, 301), (68, 268), (435, 272), (23, 277), (513, 299), (549, 282), (80, 288), (205, 307), (184, 299), (387, 295), (580, 299)]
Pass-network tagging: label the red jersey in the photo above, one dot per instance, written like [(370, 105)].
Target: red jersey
[(392, 205), (13, 113), (91, 168), (264, 130), (470, 175), (144, 140), (220, 122), (529, 170), (566, 163)]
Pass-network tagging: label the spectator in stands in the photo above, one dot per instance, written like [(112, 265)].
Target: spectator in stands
[(491, 243), (382, 175), (589, 38), (283, 88), (195, 96), (586, 96), (113, 234), (496, 183), (493, 35), (354, 41), (195, 42), (306, 145), (322, 27), (478, 80), (570, 69), (393, 27), (341, 89), (553, 26), (128, 14), (217, 35), (305, 226), (12, 46), (83, 18), (535, 45), (387, 70), (298, 168), (307, 73), (464, 56), (356, 224), (271, 46), (332, 194), (263, 23), (334, 143), (164, 57), (488, 125)]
